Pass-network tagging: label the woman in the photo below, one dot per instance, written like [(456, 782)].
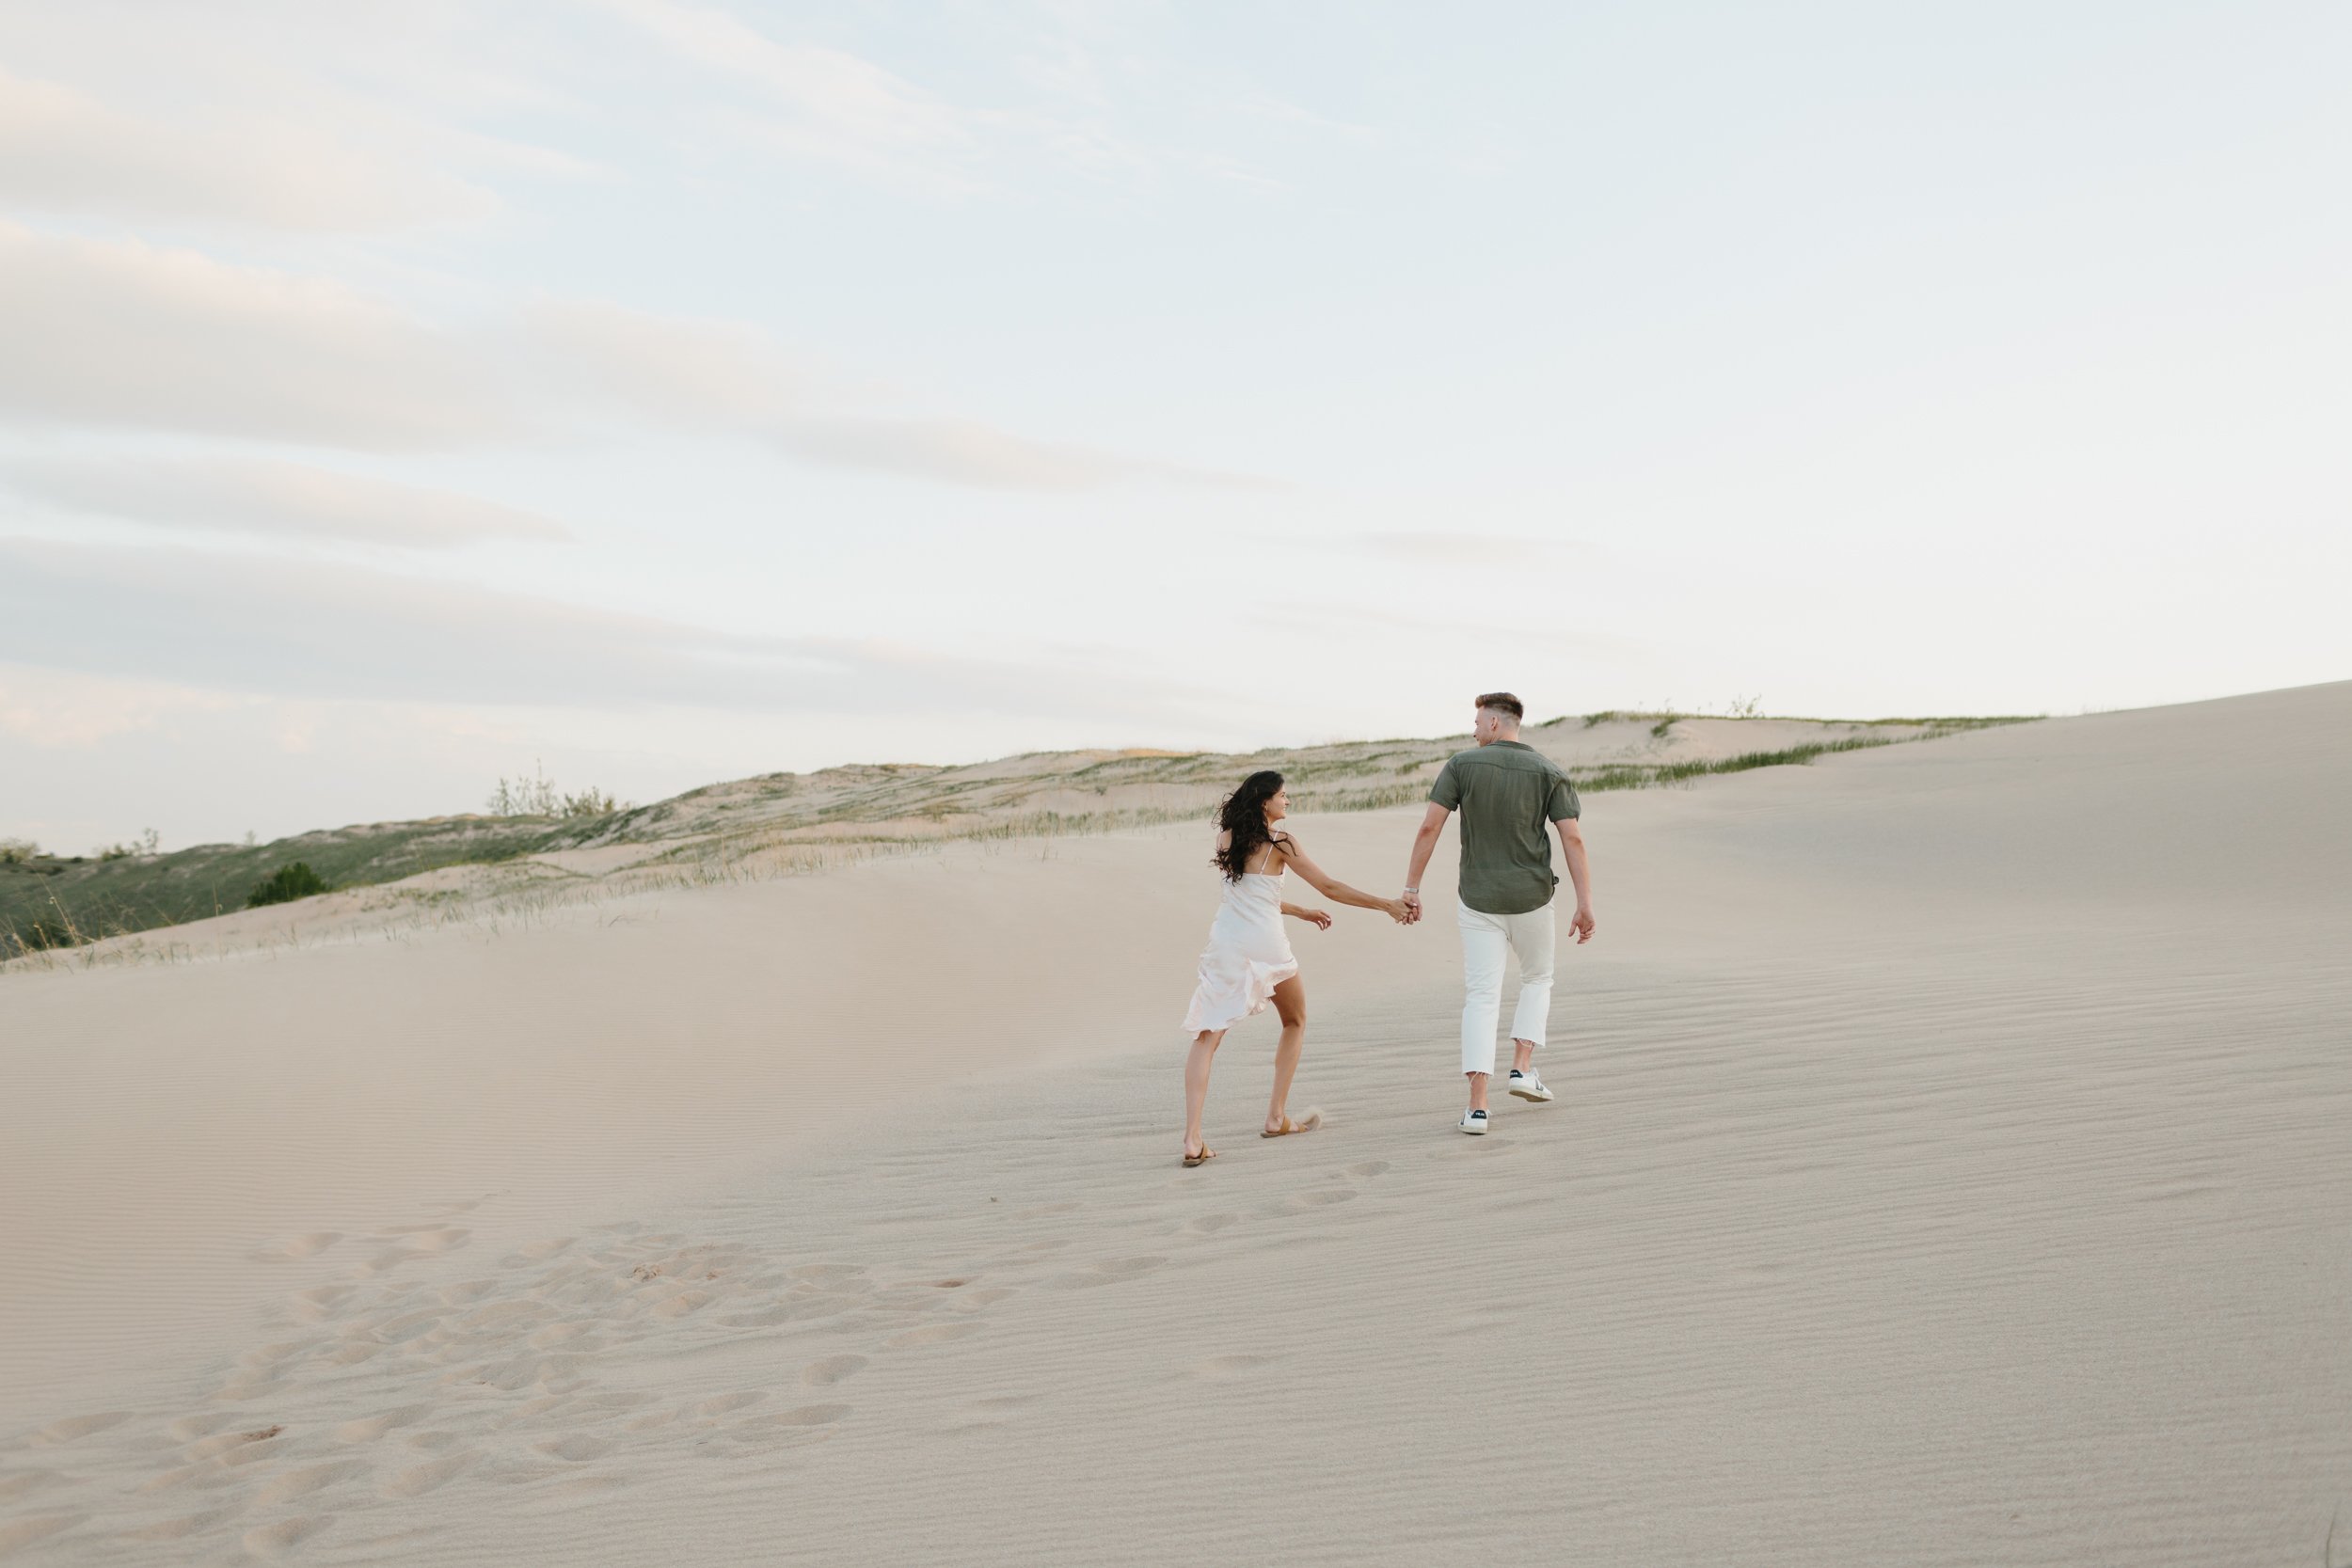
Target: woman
[(1248, 959)]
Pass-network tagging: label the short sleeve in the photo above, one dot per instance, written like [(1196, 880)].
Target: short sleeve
[(1447, 791), (1562, 804)]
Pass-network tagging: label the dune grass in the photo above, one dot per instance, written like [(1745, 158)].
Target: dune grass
[(783, 824)]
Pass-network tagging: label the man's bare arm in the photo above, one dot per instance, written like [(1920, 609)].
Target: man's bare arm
[(1580, 874), (1425, 845)]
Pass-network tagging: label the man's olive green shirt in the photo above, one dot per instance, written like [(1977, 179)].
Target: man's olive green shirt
[(1506, 794)]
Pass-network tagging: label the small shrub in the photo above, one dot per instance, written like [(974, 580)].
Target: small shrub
[(284, 885), (16, 851), (148, 843), (48, 933), (537, 796), (591, 802)]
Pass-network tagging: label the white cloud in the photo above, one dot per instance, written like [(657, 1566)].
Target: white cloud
[(261, 496), (65, 152), (130, 335), (722, 376), (299, 628), (664, 370), (1262, 105), (60, 710), (123, 334), (1472, 550), (962, 452), (817, 104)]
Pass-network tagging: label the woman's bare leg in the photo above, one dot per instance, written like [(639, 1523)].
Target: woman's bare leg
[(1197, 1085), (1290, 1005)]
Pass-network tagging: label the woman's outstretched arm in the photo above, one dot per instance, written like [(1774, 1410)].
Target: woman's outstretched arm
[(1338, 892)]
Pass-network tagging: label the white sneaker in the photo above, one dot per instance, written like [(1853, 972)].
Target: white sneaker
[(1474, 1123), (1528, 1085)]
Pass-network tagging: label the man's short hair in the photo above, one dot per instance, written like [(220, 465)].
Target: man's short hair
[(1503, 701)]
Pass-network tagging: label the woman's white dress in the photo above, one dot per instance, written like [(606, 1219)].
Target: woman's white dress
[(1247, 956)]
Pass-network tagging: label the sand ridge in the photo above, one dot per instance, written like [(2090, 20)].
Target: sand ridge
[(1940, 1175)]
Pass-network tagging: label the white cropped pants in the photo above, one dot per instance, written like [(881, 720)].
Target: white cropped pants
[(1484, 940)]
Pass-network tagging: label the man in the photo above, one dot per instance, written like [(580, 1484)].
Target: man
[(1507, 791)]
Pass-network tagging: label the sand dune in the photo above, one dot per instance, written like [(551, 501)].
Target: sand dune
[(1947, 1170)]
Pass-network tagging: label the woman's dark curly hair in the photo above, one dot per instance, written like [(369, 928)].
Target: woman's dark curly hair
[(1243, 817)]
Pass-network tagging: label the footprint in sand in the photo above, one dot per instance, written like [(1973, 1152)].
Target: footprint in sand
[(1221, 1368), (412, 1325), (368, 1428), (579, 1338), (22, 1482), (1367, 1167), (184, 1526), (1324, 1199), (930, 1334), (577, 1446), (288, 1249), (275, 1540), (1107, 1273), (74, 1428), (555, 1374), (180, 1477), (803, 1416), (986, 1295), (1209, 1225), (23, 1532), (302, 1482), (723, 1404), (510, 1317), (431, 1238), (386, 1261), (531, 1410), (787, 1429), (431, 1476), (317, 1304), (832, 1369), (268, 1356), (223, 1444)]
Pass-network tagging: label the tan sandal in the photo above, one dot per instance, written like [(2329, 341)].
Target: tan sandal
[(1203, 1158), (1289, 1128)]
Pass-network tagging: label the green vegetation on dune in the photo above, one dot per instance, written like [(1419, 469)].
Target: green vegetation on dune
[(82, 899), (286, 885), (785, 823)]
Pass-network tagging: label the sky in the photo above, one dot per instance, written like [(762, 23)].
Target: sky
[(653, 392)]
